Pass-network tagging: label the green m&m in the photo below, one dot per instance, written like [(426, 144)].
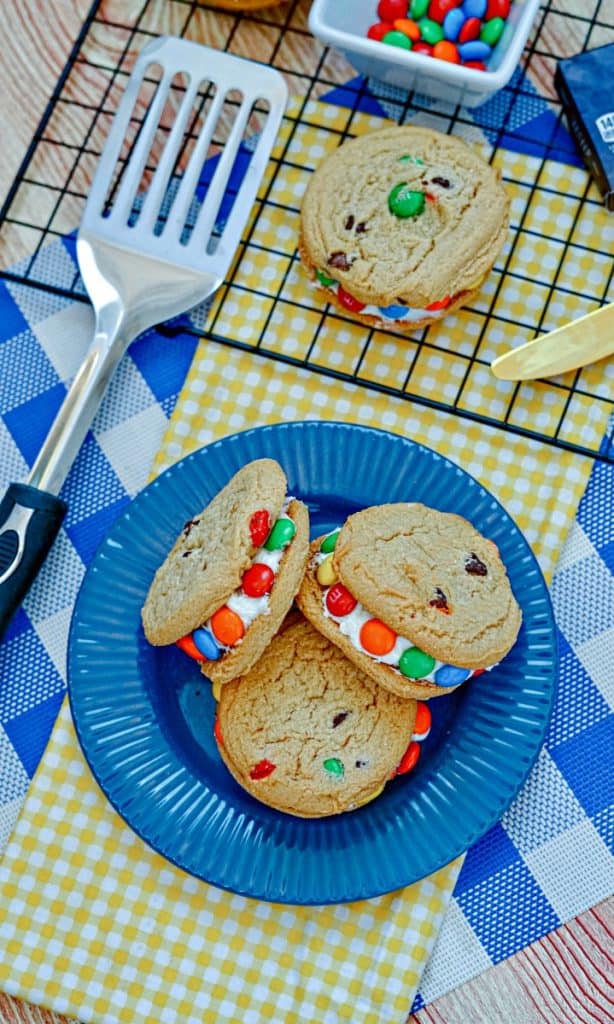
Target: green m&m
[(334, 766), (492, 30), (328, 544), (281, 534), (324, 279), (431, 31), (418, 8), (415, 664), (405, 202), (399, 39)]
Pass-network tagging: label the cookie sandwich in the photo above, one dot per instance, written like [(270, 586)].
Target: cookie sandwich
[(226, 585), (416, 598), (401, 226), (308, 733)]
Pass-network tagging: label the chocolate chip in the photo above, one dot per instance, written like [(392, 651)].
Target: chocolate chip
[(361, 764), (188, 526), (339, 260), (338, 719), (349, 224), (474, 566), (361, 228), (438, 180), (439, 601), (186, 553)]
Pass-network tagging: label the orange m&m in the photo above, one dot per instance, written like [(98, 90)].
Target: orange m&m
[(227, 626), (377, 638), (440, 303), (187, 645), (408, 27), (422, 725), (445, 50), (410, 758)]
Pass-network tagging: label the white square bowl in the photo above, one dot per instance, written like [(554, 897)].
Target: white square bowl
[(343, 25)]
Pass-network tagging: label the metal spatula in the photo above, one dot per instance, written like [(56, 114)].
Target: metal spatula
[(147, 254)]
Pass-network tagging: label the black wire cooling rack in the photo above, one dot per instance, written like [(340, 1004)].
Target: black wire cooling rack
[(555, 267)]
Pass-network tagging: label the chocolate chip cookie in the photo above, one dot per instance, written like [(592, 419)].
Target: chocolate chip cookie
[(401, 226)]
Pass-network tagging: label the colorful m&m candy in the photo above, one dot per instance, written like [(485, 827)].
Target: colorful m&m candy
[(226, 628), (457, 31)]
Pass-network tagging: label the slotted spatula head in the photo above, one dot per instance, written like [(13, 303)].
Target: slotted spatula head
[(174, 187), (175, 196)]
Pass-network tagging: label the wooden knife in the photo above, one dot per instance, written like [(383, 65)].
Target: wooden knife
[(583, 341)]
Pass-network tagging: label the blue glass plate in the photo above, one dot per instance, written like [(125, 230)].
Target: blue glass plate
[(144, 715)]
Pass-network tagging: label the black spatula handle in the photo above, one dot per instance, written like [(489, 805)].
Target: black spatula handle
[(29, 522)]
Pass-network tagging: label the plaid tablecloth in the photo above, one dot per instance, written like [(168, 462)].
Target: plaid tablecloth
[(551, 856)]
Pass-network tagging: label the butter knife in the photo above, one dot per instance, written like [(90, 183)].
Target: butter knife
[(582, 341)]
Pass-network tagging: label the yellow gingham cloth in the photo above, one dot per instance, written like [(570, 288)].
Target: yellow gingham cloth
[(97, 925)]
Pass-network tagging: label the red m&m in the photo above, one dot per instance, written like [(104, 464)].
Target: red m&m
[(258, 580), (438, 9), (348, 301), (259, 527), (377, 32), (262, 770), (388, 10), (339, 601), (470, 30)]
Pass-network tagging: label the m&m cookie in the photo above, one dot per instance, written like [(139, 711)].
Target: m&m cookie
[(306, 732), (417, 598), (225, 587), (401, 226)]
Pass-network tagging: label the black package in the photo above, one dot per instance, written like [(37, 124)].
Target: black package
[(586, 86)]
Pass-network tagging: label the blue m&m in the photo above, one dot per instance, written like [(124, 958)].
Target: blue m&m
[(394, 312), (475, 49), (452, 24), (474, 8), (205, 642), (451, 675)]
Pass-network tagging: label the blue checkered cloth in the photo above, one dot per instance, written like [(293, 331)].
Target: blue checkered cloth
[(552, 854), (42, 340)]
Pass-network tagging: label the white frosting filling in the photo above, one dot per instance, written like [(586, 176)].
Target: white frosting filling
[(250, 608), (411, 316), (350, 625)]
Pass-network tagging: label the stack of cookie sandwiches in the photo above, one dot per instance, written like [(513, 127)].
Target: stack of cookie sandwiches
[(401, 226), (319, 705)]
